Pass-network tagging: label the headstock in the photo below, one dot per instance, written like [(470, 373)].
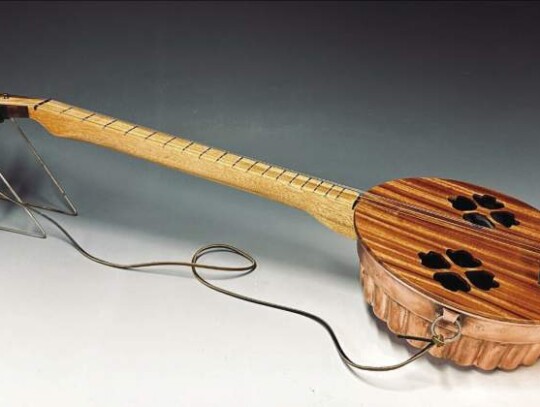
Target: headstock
[(13, 106)]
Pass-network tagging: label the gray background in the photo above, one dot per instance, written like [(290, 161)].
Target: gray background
[(356, 93)]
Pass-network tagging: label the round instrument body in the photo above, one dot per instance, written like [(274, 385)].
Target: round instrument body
[(430, 245)]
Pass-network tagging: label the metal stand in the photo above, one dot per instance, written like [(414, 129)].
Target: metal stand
[(27, 206)]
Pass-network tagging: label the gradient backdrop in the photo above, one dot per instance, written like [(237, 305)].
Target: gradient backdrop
[(356, 93)]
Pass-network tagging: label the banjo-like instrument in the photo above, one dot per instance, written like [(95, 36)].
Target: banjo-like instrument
[(439, 259)]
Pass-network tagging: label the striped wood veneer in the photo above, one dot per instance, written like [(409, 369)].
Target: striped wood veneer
[(501, 326)]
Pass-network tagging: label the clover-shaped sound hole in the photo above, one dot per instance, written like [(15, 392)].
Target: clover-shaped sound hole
[(488, 204), (478, 219), (463, 258), (488, 201), (482, 279), (452, 280), (434, 260)]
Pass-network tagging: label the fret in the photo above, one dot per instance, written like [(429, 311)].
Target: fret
[(54, 106), (229, 159), (244, 164), (237, 161), (298, 181), (323, 188), (311, 184), (305, 182), (133, 128), (265, 171), (212, 154), (339, 195), (78, 113), (188, 145), (166, 143), (178, 143), (348, 195), (251, 166), (120, 126), (111, 122), (287, 176), (196, 149), (141, 133), (36, 106), (150, 135), (293, 178), (87, 117), (160, 138), (98, 119), (329, 189), (273, 172), (334, 191), (259, 168), (221, 156), (204, 152)]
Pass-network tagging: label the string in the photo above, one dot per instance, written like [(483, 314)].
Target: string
[(194, 265)]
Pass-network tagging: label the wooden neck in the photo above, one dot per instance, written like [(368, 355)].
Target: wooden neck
[(329, 203)]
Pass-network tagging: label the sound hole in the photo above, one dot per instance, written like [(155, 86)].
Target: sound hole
[(452, 281), (505, 218), (488, 201), (478, 219), (462, 203), (434, 260), (482, 279), (463, 258), (487, 205)]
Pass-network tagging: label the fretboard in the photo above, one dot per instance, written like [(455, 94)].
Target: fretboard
[(330, 203)]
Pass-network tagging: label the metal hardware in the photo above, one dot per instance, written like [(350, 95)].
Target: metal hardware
[(14, 197), (438, 338)]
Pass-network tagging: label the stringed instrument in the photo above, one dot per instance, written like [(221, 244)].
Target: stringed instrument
[(437, 256)]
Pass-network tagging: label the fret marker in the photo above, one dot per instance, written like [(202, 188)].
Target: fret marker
[(133, 128), (111, 122), (282, 172), (204, 152), (168, 141), (221, 156), (189, 145), (41, 103)]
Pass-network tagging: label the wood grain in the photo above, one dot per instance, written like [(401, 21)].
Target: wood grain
[(330, 203), (396, 222), (404, 293)]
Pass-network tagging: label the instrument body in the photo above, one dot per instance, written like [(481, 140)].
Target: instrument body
[(414, 266), (427, 246)]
